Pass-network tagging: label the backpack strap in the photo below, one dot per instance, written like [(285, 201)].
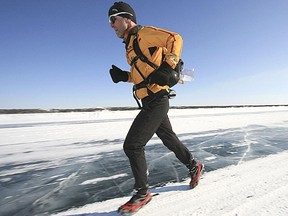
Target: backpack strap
[(140, 55)]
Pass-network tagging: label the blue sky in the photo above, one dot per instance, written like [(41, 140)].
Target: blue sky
[(57, 53)]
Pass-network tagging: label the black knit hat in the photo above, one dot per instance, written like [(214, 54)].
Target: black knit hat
[(122, 9)]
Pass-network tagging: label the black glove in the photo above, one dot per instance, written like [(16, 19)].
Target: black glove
[(118, 75), (164, 75)]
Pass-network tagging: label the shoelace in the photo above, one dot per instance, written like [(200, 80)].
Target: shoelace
[(137, 197), (193, 171)]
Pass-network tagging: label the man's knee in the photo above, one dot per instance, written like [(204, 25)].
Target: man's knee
[(132, 150), (128, 148)]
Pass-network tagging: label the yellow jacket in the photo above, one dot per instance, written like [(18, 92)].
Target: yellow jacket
[(157, 45)]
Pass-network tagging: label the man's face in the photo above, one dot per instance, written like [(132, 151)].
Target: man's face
[(119, 24)]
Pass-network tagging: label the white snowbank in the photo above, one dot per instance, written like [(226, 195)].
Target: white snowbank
[(256, 187)]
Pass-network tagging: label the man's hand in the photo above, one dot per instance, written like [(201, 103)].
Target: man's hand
[(118, 75)]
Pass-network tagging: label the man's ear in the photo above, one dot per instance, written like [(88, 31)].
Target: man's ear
[(128, 21)]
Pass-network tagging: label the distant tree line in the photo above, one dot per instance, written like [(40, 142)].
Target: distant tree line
[(23, 111)]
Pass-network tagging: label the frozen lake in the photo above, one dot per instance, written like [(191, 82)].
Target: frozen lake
[(52, 162)]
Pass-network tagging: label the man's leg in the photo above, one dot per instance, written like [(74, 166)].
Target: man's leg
[(143, 128), (172, 142)]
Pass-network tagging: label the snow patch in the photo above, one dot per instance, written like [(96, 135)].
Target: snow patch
[(94, 181)]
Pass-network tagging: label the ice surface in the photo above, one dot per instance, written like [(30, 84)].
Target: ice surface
[(52, 162), (245, 189)]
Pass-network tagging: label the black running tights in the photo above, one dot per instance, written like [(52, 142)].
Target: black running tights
[(152, 119)]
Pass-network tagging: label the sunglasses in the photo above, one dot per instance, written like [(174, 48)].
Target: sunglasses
[(112, 18)]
